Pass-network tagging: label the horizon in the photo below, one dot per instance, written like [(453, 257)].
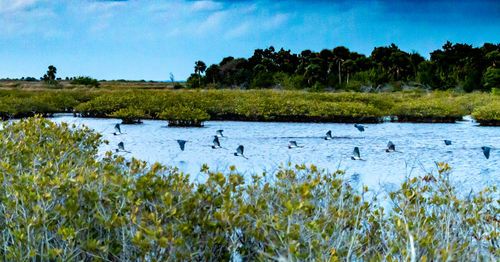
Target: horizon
[(148, 40)]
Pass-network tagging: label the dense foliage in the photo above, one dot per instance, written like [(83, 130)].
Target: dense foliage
[(192, 107), (454, 66), (60, 201), (86, 81)]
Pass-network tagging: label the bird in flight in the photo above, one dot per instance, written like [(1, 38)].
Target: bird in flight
[(182, 144), (328, 135), (356, 155), (391, 147), (118, 130), (361, 128), (293, 144), (219, 133), (239, 151), (121, 148), (216, 143), (486, 151)]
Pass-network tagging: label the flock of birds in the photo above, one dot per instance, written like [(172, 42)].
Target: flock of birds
[(391, 147)]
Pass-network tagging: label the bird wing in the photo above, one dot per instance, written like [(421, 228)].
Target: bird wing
[(240, 150), (391, 146), (293, 143), (117, 128), (219, 132), (121, 146), (216, 141), (356, 152), (329, 133), (182, 143), (486, 152)]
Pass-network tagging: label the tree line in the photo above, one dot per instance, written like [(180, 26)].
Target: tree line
[(454, 66)]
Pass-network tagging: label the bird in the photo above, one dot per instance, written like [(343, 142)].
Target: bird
[(216, 143), (361, 128), (447, 142), (219, 133), (182, 144), (239, 151), (118, 130), (121, 148), (293, 144), (391, 147), (328, 135), (356, 155), (486, 151)]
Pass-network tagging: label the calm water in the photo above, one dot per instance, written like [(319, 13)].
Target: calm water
[(266, 146)]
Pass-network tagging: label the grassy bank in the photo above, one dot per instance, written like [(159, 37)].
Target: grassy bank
[(192, 107), (58, 201)]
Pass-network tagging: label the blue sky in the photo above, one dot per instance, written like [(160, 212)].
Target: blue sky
[(146, 39)]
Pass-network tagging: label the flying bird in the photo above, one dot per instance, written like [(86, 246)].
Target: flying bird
[(216, 143), (182, 144), (486, 151), (239, 151), (118, 130), (361, 128), (293, 144), (121, 148), (391, 147), (356, 155), (328, 135), (447, 142), (219, 133)]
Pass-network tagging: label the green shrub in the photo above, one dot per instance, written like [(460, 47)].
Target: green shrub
[(184, 116), (130, 115), (488, 114), (86, 81)]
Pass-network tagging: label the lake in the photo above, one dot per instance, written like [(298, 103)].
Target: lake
[(266, 146)]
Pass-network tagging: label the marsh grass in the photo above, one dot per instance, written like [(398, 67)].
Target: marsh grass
[(58, 201)]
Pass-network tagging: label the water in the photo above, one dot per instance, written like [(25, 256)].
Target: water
[(266, 146)]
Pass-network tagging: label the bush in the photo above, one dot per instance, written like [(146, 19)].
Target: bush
[(184, 116), (130, 115), (86, 81), (488, 115)]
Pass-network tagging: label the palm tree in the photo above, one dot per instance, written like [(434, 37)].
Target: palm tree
[(340, 54), (199, 68)]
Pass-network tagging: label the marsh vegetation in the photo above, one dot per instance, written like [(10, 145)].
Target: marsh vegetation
[(59, 201)]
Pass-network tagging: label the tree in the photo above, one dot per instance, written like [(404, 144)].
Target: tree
[(212, 73), (199, 68), (491, 78), (340, 54), (172, 79), (51, 74)]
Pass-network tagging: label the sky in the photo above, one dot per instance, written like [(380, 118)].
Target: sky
[(149, 39)]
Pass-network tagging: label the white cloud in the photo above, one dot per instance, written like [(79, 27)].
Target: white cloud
[(275, 21), (200, 6), (15, 5), (238, 31)]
